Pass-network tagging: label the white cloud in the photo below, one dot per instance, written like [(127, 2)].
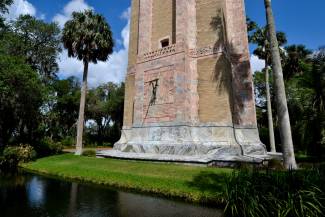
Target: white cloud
[(72, 6), (126, 14), (257, 64), (112, 70), (20, 7)]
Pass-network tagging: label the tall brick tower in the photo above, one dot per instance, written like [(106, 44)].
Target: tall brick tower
[(189, 92)]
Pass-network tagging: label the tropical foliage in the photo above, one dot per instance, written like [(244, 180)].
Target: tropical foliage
[(38, 108), (281, 102), (259, 36), (304, 79), (275, 193)]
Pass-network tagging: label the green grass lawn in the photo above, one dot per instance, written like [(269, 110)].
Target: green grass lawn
[(197, 184)]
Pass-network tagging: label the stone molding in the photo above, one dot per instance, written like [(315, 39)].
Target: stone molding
[(131, 70), (162, 52), (178, 48), (205, 51)]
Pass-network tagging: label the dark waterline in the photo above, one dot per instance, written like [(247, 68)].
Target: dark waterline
[(29, 195)]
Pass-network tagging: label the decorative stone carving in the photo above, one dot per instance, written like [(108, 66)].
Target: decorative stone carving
[(205, 51), (162, 52)]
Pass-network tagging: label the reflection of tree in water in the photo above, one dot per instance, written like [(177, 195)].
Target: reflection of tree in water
[(73, 200), (130, 204)]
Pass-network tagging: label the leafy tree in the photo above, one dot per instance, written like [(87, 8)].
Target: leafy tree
[(21, 95), (88, 37), (105, 106), (116, 104), (295, 60), (37, 42), (28, 50), (97, 110), (295, 67), (62, 109), (4, 5), (259, 36), (3, 27), (280, 93), (306, 97), (3, 9), (313, 83)]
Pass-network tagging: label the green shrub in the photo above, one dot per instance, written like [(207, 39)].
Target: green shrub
[(13, 155), (89, 153), (68, 141), (55, 148), (48, 147), (275, 193)]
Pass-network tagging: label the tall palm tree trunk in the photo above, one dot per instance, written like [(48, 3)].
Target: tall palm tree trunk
[(281, 100), (269, 109), (81, 119)]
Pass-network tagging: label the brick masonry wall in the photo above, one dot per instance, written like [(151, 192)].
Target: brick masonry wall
[(162, 18), (208, 31), (244, 113), (134, 33), (204, 99), (212, 86), (129, 100)]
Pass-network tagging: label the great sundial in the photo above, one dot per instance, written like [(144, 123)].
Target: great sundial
[(189, 91)]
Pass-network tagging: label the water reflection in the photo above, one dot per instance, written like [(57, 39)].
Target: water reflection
[(35, 192), (26, 195)]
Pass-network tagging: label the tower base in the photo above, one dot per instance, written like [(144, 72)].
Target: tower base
[(190, 144)]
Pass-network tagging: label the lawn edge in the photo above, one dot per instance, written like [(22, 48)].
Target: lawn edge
[(185, 196)]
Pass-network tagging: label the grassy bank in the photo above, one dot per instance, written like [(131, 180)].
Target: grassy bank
[(197, 184), (253, 192)]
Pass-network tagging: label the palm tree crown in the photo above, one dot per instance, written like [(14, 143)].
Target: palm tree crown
[(88, 37)]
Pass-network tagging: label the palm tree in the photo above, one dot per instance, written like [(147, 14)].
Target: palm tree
[(259, 36), (280, 93), (88, 37), (295, 59)]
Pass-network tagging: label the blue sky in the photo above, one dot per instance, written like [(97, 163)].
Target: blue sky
[(301, 20)]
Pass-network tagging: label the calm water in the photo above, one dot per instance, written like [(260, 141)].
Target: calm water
[(27, 195)]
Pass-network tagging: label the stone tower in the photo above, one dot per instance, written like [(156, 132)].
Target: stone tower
[(189, 92)]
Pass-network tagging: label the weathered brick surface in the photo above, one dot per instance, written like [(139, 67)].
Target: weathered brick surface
[(209, 22), (162, 22), (212, 27), (237, 41), (129, 100), (205, 91), (134, 33), (214, 88)]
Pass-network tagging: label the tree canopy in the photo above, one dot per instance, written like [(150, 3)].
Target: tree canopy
[(88, 37), (4, 5), (21, 96), (36, 41)]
